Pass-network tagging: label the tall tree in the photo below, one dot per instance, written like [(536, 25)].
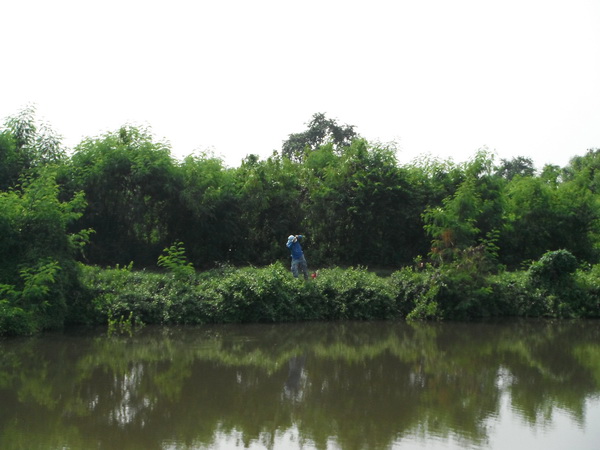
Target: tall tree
[(10, 167), (519, 165), (131, 186), (470, 215), (321, 131), (554, 211), (531, 221), (585, 170), (38, 275), (27, 145), (208, 219), (271, 195), (361, 208)]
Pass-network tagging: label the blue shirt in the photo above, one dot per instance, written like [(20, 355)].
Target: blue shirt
[(295, 248)]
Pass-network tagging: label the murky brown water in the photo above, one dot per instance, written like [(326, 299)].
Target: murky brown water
[(518, 384)]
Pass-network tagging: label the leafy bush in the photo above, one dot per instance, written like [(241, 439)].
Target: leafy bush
[(120, 292), (453, 293), (415, 293), (40, 276), (588, 281), (514, 295), (355, 294), (553, 269), (456, 290), (553, 276), (126, 298), (249, 294), (174, 259), (255, 295), (15, 321)]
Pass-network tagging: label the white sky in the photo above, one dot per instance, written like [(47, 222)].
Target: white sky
[(439, 77)]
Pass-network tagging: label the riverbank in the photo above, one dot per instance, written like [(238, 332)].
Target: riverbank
[(271, 294), (554, 287)]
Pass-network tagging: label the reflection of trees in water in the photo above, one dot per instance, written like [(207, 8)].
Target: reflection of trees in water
[(295, 383), (364, 383), (128, 397)]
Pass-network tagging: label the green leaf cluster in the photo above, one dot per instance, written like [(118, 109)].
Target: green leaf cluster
[(174, 259)]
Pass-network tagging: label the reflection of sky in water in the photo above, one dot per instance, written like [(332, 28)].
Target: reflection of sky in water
[(284, 440), (564, 431), (506, 432), (130, 404)]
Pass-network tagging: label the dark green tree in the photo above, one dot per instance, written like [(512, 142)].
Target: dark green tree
[(321, 131), (271, 195), (519, 165), (26, 145), (436, 179), (585, 170), (471, 215), (10, 167), (544, 214), (361, 209), (38, 274), (132, 188), (530, 220), (552, 174), (208, 220)]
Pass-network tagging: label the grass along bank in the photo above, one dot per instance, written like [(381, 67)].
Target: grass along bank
[(554, 286), (241, 295)]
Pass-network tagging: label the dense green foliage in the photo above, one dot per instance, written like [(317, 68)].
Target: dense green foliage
[(39, 279), (454, 291), (132, 202)]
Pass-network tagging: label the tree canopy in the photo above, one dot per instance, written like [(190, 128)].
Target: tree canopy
[(320, 131)]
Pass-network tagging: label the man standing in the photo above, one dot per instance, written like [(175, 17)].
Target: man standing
[(298, 260)]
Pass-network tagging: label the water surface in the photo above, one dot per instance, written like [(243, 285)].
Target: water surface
[(375, 385)]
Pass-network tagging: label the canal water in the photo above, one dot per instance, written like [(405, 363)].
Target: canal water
[(369, 385)]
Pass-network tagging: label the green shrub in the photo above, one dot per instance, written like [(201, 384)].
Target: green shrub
[(415, 293), (553, 269), (15, 321), (453, 291), (39, 264), (355, 294), (553, 275), (121, 292), (174, 259), (409, 287), (456, 291), (462, 294), (249, 294), (515, 296), (588, 282)]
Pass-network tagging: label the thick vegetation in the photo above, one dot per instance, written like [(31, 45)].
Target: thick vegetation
[(460, 240)]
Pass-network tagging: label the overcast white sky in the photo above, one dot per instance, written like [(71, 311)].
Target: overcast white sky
[(439, 77)]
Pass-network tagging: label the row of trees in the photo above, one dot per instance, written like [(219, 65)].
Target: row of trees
[(352, 199), (122, 198)]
